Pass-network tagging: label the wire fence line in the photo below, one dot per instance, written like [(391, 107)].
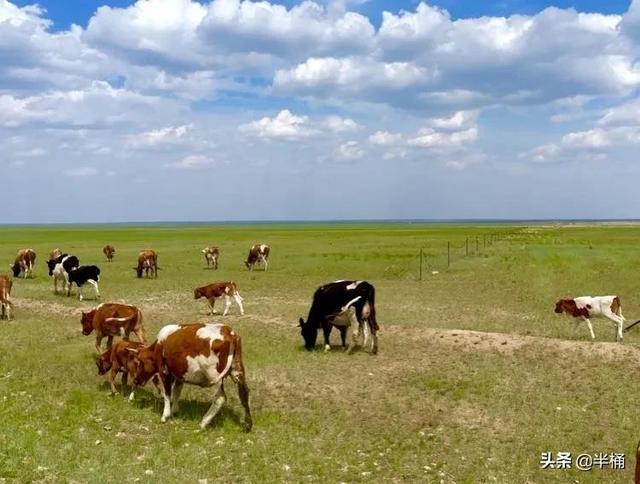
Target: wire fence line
[(441, 257)]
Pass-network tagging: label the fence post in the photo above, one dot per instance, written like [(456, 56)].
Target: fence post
[(466, 241), (448, 254), (421, 264)]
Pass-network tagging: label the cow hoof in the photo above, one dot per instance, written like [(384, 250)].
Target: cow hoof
[(248, 425)]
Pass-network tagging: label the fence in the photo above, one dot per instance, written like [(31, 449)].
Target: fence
[(471, 246)]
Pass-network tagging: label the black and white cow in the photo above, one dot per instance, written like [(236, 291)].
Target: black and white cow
[(59, 268), (83, 275), (347, 305)]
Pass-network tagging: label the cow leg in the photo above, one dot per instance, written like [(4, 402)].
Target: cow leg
[(98, 342), (109, 341), (238, 300), (227, 304), (125, 379), (326, 331), (218, 402), (618, 321), (80, 293), (354, 329), (243, 394), (112, 378), (374, 337), (593, 336), (212, 303), (165, 389), (95, 287), (266, 266), (343, 336), (175, 396)]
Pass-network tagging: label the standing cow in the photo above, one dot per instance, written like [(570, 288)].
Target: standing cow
[(5, 297), (85, 275), (109, 252), (24, 262), (147, 263), (347, 305), (219, 289), (211, 255), (112, 319), (199, 354), (258, 254), (59, 269)]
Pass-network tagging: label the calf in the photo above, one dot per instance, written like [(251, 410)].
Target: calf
[(211, 256), (84, 275), (147, 262), (5, 297), (347, 305), (199, 354), (59, 268), (118, 359), (112, 319), (258, 254), (586, 307), (109, 252), (24, 262), (219, 289)]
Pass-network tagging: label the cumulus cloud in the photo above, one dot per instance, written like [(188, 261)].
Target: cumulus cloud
[(384, 138), (351, 150), (285, 125), (155, 137)]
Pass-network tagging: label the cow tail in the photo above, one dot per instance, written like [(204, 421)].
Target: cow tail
[(238, 366), (372, 315), (230, 358), (139, 323)]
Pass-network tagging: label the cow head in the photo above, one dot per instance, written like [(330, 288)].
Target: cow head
[(16, 269), (144, 362), (103, 362), (559, 307), (87, 322), (198, 293), (309, 334), (51, 264), (138, 270)]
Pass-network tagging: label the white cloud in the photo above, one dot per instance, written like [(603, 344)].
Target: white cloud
[(284, 125), (340, 125), (384, 138), (350, 150), (80, 172), (168, 135), (430, 138), (460, 120)]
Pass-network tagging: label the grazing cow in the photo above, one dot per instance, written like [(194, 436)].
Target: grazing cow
[(199, 354), (147, 262), (24, 262), (118, 359), (5, 297), (112, 319), (259, 253), (219, 289), (583, 308), (211, 256), (347, 305), (59, 268), (83, 275), (54, 254), (109, 251)]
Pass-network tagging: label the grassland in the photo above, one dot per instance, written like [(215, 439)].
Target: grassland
[(476, 376)]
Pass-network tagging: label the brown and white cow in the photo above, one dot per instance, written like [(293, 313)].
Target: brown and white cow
[(219, 289), (55, 253), (211, 255), (199, 354), (585, 307), (118, 359), (108, 252), (258, 254), (147, 263), (24, 262), (112, 319), (5, 297)]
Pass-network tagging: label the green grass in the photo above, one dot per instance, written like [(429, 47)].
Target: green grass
[(435, 405)]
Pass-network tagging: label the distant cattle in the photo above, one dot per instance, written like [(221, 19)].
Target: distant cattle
[(85, 275), (258, 254), (112, 319), (109, 252), (211, 255), (55, 253), (118, 359), (24, 262), (59, 268), (586, 307), (199, 354), (5, 297), (347, 305), (147, 263), (220, 289)]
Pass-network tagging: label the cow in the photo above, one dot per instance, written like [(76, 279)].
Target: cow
[(211, 255), (147, 262), (117, 359), (24, 262), (347, 305), (218, 289), (109, 251), (84, 275), (259, 253), (112, 319), (59, 268), (585, 307), (6, 305), (55, 253), (199, 354)]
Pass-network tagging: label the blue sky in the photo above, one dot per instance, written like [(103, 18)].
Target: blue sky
[(165, 109)]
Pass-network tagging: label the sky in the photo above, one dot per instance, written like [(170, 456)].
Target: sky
[(183, 110)]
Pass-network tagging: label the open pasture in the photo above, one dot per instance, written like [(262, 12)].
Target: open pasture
[(475, 378)]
